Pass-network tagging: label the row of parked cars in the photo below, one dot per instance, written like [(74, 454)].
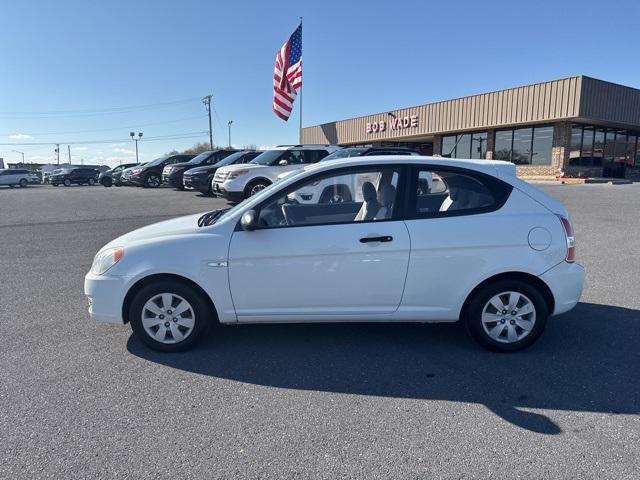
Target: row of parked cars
[(238, 174)]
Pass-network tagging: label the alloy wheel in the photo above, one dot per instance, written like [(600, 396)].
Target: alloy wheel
[(153, 181), (256, 188), (508, 317), (168, 318)]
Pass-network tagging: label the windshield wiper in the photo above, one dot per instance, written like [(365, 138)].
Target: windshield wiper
[(210, 218)]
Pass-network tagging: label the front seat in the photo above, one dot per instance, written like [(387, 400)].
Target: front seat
[(387, 198), (370, 205)]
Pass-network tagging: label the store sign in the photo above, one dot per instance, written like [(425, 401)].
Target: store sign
[(396, 123)]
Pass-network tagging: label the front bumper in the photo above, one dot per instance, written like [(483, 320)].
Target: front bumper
[(106, 296), (566, 281), (173, 180), (137, 180), (196, 182)]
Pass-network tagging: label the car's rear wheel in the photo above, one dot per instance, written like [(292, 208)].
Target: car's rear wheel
[(23, 182), (507, 315), (67, 183), (169, 316), (106, 182), (152, 181), (92, 181), (255, 187)]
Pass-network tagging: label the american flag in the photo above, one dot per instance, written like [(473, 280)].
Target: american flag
[(287, 76)]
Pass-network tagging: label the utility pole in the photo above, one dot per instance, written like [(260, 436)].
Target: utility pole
[(69, 152), (21, 153), (207, 103), (58, 152), (133, 135), (229, 125)]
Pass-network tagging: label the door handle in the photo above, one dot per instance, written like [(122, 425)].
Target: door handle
[(384, 238)]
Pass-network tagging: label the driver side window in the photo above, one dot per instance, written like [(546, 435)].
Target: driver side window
[(365, 195)]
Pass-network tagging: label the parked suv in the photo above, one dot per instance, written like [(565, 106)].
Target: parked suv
[(107, 178), (172, 174), (125, 175), (200, 178), (79, 176), (17, 176), (150, 175), (344, 190), (237, 182)]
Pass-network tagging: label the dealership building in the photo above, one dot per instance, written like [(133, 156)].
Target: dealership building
[(576, 126)]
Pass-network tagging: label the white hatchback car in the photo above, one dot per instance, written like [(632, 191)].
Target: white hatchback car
[(423, 240)]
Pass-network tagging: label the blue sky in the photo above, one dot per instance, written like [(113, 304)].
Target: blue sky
[(359, 57)]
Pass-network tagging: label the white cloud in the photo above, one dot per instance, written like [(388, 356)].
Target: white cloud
[(19, 136), (124, 151)]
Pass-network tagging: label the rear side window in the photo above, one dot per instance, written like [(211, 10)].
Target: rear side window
[(448, 192)]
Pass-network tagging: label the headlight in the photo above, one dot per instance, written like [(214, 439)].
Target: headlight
[(236, 174), (106, 259)]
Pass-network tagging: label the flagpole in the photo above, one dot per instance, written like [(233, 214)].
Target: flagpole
[(300, 118)]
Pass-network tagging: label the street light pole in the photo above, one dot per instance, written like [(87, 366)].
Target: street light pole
[(58, 152), (21, 153), (133, 137), (229, 125), (207, 103)]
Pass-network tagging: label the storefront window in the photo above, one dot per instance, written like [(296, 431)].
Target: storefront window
[(448, 146), (469, 145), (542, 143), (463, 150), (479, 145), (576, 142), (587, 146), (631, 149), (521, 153), (598, 147), (502, 147)]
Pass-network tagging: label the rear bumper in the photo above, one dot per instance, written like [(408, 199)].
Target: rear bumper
[(566, 281)]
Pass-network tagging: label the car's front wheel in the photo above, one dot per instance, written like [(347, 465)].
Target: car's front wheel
[(23, 182), (152, 181), (92, 181), (255, 187), (67, 183), (507, 315), (169, 316)]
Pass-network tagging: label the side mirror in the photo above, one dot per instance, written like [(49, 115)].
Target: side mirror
[(249, 220), (283, 163)]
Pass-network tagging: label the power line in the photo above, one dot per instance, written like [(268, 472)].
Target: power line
[(91, 112), (110, 129), (117, 140)]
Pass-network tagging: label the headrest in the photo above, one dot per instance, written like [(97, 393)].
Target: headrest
[(369, 192), (387, 195)]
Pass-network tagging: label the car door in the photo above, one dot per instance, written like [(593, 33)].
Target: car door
[(323, 261), (4, 177)]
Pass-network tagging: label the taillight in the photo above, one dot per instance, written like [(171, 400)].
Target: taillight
[(571, 242)]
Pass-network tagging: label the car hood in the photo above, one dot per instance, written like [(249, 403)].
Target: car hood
[(174, 227), (183, 165), (205, 169), (242, 166)]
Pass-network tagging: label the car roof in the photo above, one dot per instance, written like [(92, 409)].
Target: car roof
[(490, 167), (307, 146)]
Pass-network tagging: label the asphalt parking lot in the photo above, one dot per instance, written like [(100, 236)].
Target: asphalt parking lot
[(80, 399)]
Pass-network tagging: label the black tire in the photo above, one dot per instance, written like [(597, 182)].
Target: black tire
[(106, 182), (91, 181), (473, 315), (67, 183), (256, 184), (11, 185), (202, 313), (152, 181), (23, 182), (117, 183), (54, 184)]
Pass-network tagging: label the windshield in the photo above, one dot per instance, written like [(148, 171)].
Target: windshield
[(157, 161), (199, 158), (345, 153), (268, 157), (231, 159)]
